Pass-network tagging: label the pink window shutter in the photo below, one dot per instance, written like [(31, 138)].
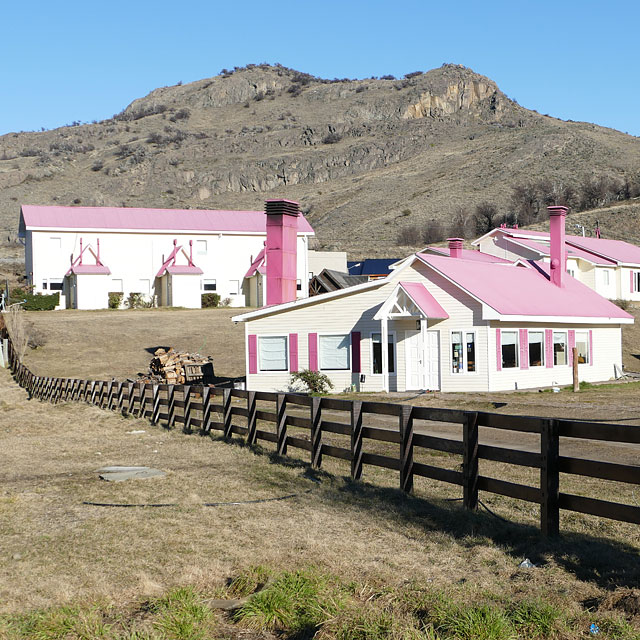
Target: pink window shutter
[(498, 351), (572, 344), (355, 351), (524, 349), (631, 274), (548, 348), (253, 353), (591, 347), (313, 351), (293, 352)]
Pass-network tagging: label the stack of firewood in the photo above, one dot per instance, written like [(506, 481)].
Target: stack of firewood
[(179, 367)]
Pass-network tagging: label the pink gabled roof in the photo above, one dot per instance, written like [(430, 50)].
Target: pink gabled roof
[(257, 266), (132, 218), (469, 254), (96, 269), (572, 251), (612, 250), (178, 269), (424, 300), (514, 291)]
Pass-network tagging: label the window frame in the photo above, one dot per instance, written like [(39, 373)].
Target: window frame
[(56, 284), (517, 349), (636, 281), (199, 245), (287, 353), (209, 281), (329, 334), (586, 341), (566, 346), (543, 346), (392, 338), (238, 288), (465, 360)]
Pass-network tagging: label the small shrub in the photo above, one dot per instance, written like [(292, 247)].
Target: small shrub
[(134, 301), (97, 166), (226, 302), (210, 300), (410, 236), (331, 138), (115, 299), (623, 304), (182, 114), (315, 381), (34, 302)]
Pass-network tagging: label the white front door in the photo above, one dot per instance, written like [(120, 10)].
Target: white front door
[(432, 361), (414, 360)]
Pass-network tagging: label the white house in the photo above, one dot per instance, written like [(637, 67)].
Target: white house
[(610, 267), (443, 323), (175, 255)]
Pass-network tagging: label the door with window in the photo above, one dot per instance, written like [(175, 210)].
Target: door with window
[(414, 356), (432, 361)]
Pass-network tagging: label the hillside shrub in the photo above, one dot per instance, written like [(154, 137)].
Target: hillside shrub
[(623, 304), (331, 138), (409, 235), (210, 300), (34, 302), (115, 299), (314, 381)]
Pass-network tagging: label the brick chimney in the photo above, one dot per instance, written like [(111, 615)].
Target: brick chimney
[(558, 250), (455, 247), (281, 250)]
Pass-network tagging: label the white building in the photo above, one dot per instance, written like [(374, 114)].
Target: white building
[(174, 255)]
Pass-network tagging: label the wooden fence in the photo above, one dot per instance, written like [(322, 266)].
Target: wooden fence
[(208, 408)]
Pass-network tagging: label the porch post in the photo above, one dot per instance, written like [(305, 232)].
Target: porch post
[(423, 355), (384, 339)]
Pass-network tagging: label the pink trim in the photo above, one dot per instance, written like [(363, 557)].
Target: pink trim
[(591, 347), (631, 274), (572, 344), (281, 255), (256, 265), (548, 348), (355, 351), (313, 351), (293, 352), (498, 351), (424, 300), (253, 353), (524, 349), (558, 252)]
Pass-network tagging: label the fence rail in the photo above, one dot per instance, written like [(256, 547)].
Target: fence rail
[(209, 409)]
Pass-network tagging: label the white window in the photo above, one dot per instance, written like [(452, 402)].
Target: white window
[(509, 344), (463, 351), (56, 284), (559, 348), (605, 278), (334, 352), (144, 287), (298, 285), (636, 281), (55, 243), (272, 353), (376, 353), (45, 284), (209, 285), (582, 346), (201, 247), (536, 348), (234, 287), (116, 285), (571, 272)]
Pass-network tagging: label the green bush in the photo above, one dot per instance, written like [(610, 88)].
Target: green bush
[(315, 381), (115, 299), (209, 300), (34, 302)]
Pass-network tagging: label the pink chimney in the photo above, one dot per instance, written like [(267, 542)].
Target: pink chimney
[(558, 251), (281, 250), (455, 247)]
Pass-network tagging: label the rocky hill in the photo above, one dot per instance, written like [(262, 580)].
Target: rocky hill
[(364, 157)]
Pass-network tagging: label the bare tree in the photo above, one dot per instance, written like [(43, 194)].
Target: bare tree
[(484, 215)]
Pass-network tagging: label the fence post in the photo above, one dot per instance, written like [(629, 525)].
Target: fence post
[(206, 410), (155, 410), (226, 412), (316, 432), (186, 397), (406, 449), (171, 409), (251, 417), (470, 460), (549, 478), (356, 440), (281, 424)]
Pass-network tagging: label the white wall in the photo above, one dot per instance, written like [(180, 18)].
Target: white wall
[(335, 260), (91, 291), (135, 258), (185, 291)]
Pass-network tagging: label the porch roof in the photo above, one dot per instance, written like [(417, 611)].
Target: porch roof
[(418, 294)]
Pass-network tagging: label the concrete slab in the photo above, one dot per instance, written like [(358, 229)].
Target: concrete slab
[(120, 474)]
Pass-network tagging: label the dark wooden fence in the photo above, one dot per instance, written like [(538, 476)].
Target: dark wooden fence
[(207, 408)]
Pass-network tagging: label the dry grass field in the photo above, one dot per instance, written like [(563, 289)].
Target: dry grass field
[(395, 566)]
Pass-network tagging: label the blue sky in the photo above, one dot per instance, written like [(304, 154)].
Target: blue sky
[(68, 60)]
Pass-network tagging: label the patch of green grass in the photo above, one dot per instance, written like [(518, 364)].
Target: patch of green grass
[(248, 582), (534, 619), (297, 602), (474, 622), (182, 615)]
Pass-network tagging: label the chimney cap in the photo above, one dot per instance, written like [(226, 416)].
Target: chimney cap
[(557, 210), (278, 206), (455, 240)]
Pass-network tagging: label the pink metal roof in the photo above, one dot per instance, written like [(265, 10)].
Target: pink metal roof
[(572, 252), (513, 290), (614, 250), (89, 268), (117, 218), (469, 254), (178, 269), (424, 300), (257, 266)]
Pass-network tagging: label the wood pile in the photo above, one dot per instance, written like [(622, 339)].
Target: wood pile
[(180, 367)]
